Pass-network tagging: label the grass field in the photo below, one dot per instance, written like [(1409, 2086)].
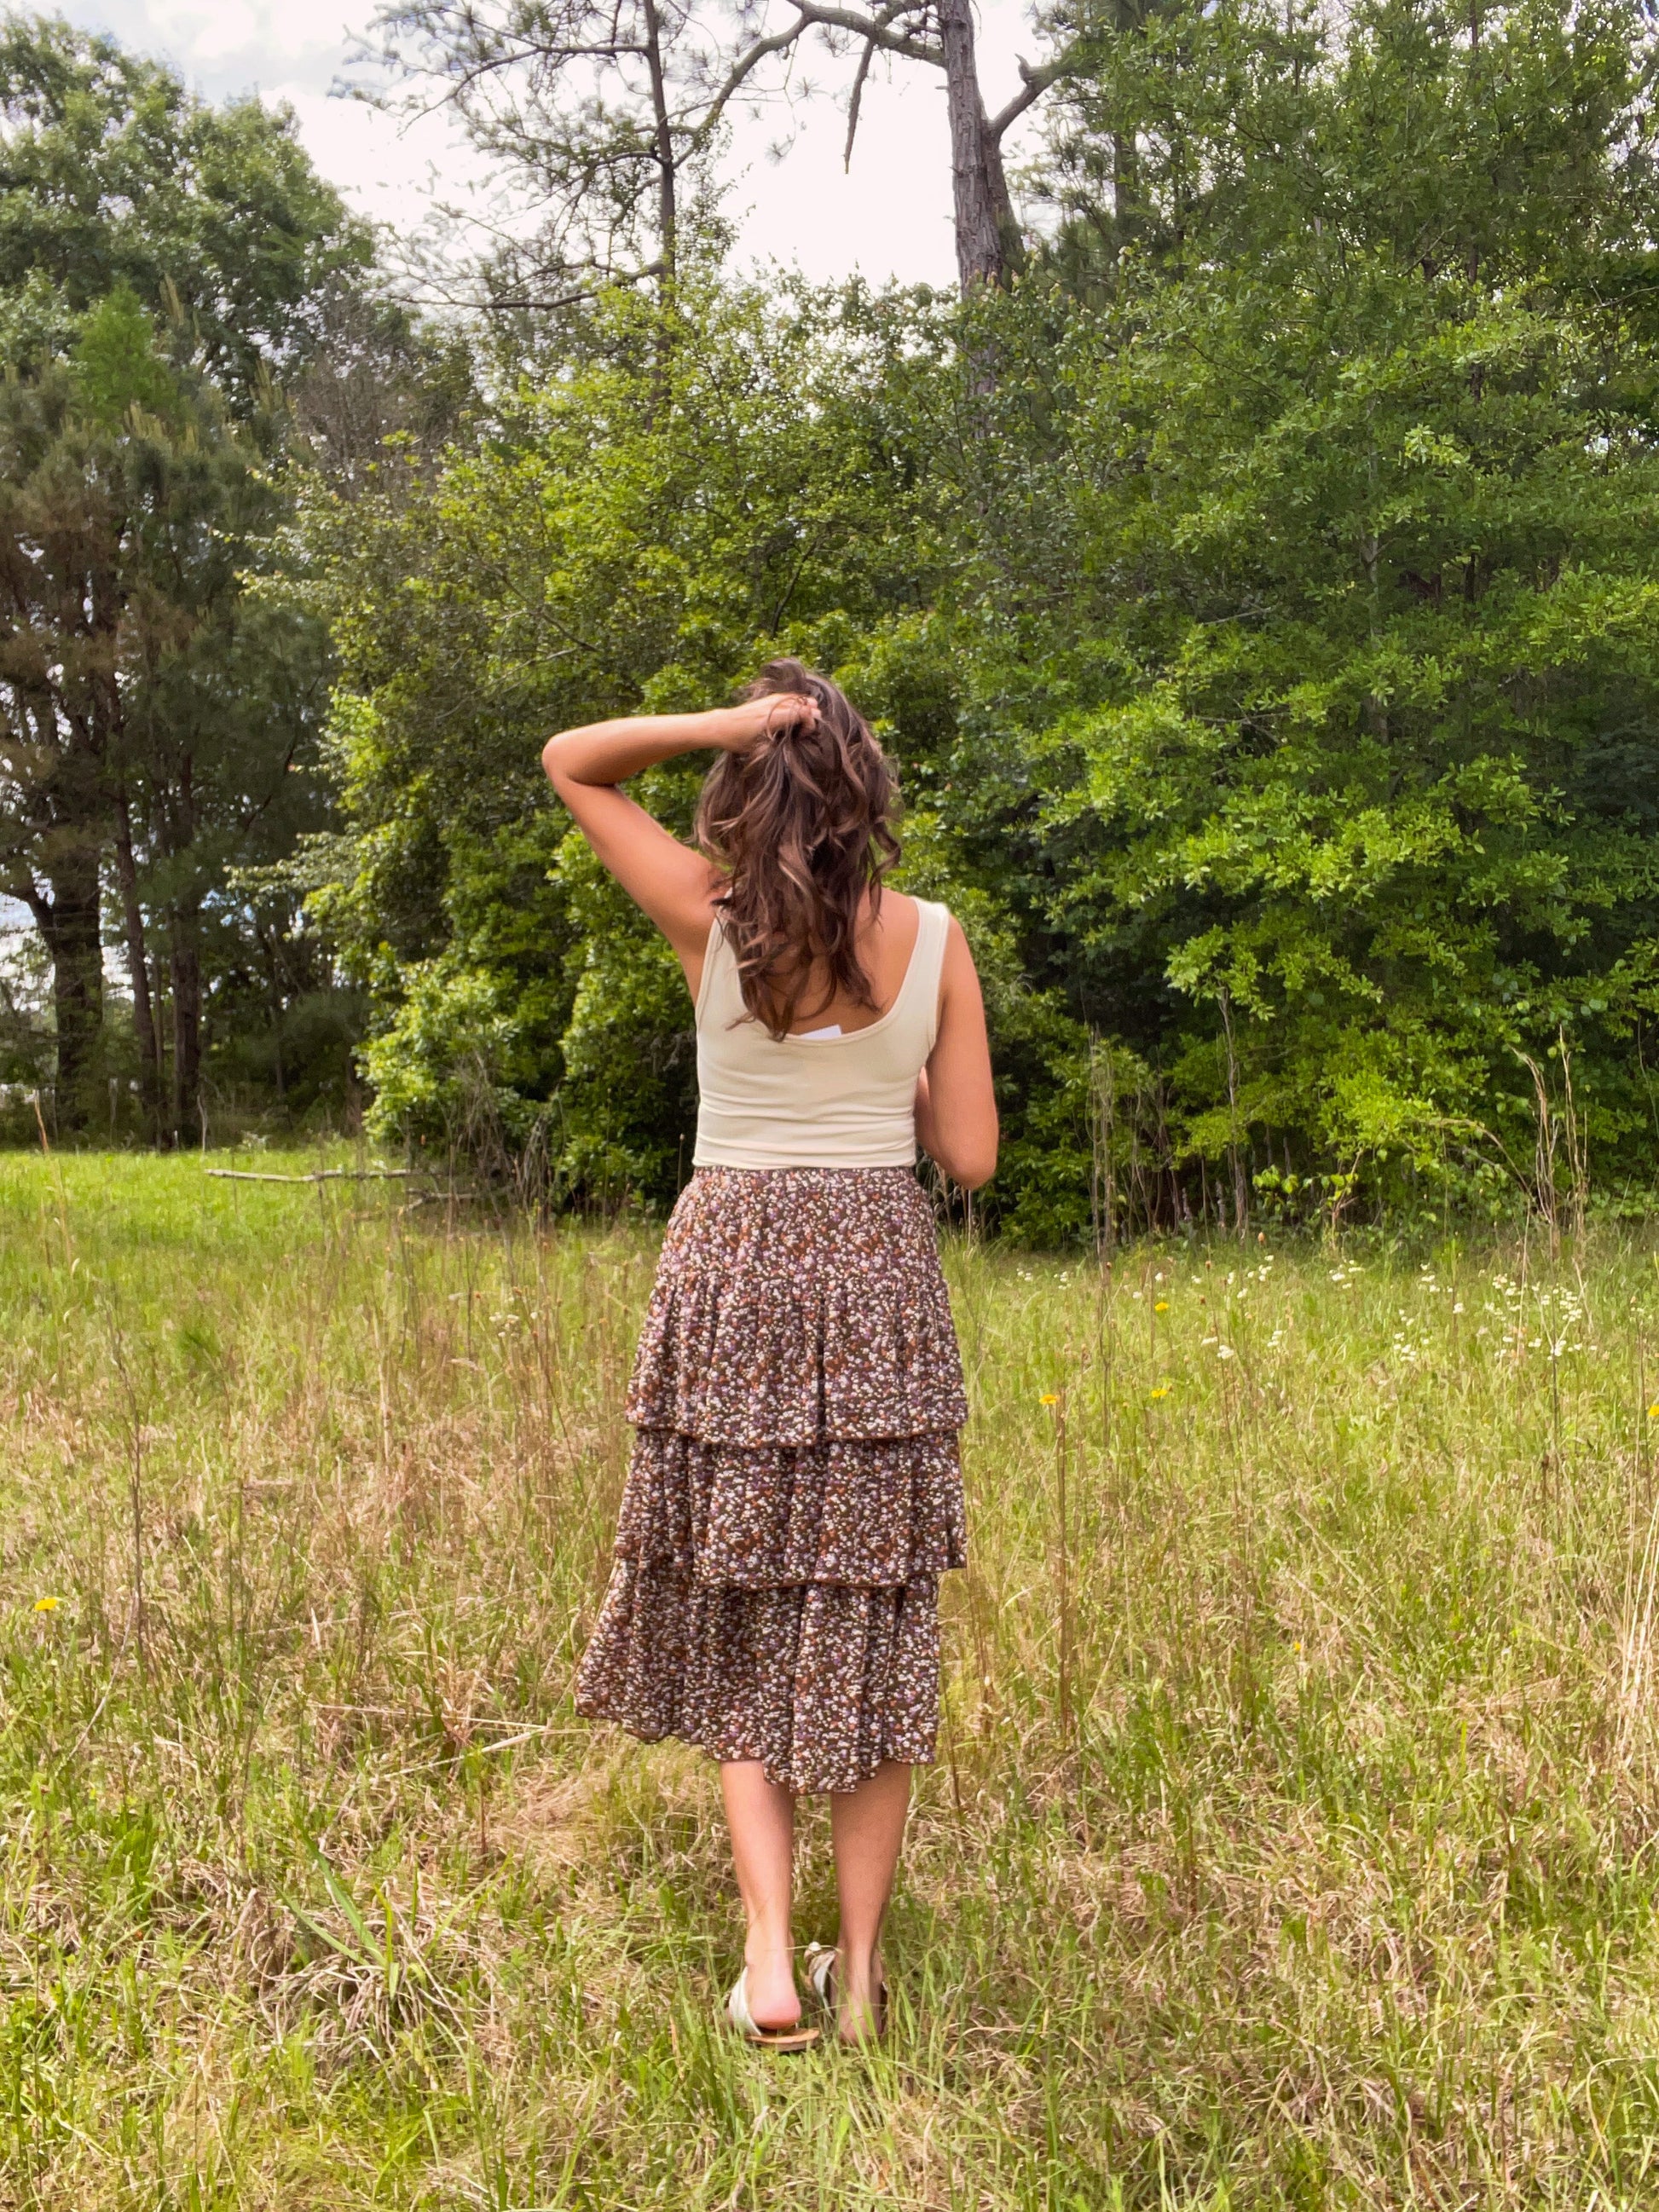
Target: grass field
[(1292, 1842)]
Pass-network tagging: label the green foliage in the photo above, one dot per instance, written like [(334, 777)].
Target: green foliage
[(113, 175), (1345, 731), (117, 365), (1260, 601), (650, 523), (161, 263)]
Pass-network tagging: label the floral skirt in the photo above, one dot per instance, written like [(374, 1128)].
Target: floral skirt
[(795, 1491)]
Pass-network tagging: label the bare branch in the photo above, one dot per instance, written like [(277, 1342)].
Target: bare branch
[(742, 69), (1037, 83), (873, 28), (888, 15), (865, 60), (491, 303)]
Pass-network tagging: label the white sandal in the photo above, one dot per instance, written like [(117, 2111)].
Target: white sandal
[(820, 1966), (820, 1958), (766, 2038)]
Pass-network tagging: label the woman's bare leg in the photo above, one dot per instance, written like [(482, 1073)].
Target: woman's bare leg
[(761, 1815), (867, 1828)]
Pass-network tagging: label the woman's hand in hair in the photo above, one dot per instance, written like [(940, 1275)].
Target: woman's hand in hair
[(744, 726)]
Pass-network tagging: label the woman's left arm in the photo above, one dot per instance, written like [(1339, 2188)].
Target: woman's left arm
[(956, 1105), (672, 882)]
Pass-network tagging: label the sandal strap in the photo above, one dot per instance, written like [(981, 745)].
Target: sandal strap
[(736, 2006), (820, 1966)]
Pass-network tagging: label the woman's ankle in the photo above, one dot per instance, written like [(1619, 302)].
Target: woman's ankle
[(860, 1998), (857, 1969), (764, 1947)]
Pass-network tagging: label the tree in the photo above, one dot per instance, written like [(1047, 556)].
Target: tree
[(655, 523), (605, 112), (1269, 649), (161, 262), (1333, 740), (635, 542), (113, 174), (149, 718), (57, 671)]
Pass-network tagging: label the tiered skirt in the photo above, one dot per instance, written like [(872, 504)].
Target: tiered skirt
[(795, 1490)]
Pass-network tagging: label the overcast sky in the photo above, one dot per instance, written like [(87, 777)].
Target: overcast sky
[(890, 218)]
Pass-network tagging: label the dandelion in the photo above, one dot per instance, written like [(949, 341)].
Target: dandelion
[(1051, 1397), (1162, 1391), (1162, 1306), (47, 1604), (1653, 1411)]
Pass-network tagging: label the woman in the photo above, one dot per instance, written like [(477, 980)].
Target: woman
[(794, 1492)]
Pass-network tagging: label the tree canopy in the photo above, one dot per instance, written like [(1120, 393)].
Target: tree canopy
[(1257, 592), (163, 264), (1264, 644)]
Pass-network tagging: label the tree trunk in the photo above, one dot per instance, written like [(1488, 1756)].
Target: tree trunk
[(144, 1013), (988, 238), (663, 143), (186, 964), (1125, 156), (269, 945), (68, 922)]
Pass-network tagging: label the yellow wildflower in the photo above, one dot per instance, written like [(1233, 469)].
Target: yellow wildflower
[(1162, 1391), (1051, 1397), (1163, 1306), (47, 1604), (1653, 1411)]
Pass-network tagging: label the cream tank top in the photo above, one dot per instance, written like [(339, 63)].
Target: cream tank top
[(814, 1102)]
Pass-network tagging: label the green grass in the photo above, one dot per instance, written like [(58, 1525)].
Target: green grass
[(1292, 1841)]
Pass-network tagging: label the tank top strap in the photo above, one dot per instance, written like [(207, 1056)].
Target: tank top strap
[(720, 975), (921, 980)]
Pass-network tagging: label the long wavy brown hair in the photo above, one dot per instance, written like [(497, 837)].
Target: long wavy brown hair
[(801, 825)]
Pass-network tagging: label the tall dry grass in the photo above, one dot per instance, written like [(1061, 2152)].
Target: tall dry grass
[(1291, 1841)]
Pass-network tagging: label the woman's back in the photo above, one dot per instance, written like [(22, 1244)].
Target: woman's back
[(845, 1099)]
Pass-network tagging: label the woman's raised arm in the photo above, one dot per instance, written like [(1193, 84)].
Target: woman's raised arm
[(672, 882)]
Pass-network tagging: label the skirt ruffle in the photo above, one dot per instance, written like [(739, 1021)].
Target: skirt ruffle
[(765, 1326), (880, 1512), (795, 1490), (820, 1682)]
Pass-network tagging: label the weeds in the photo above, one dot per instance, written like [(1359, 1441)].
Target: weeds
[(1291, 1843)]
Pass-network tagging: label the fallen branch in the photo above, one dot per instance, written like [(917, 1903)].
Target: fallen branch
[(321, 1174)]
